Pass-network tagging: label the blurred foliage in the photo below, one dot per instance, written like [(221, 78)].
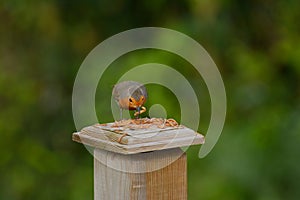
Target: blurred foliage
[(255, 44)]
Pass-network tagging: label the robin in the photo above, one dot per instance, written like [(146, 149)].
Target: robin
[(130, 95)]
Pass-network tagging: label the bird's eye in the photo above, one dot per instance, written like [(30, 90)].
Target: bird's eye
[(130, 100)]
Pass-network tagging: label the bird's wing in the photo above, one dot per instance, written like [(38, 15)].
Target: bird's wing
[(116, 93)]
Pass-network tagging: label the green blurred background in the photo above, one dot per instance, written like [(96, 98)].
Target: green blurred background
[(255, 44)]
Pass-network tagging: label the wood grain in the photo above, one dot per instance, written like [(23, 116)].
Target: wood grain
[(137, 141), (153, 175)]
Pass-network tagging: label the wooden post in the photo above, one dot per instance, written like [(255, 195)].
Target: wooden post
[(169, 182), (146, 164)]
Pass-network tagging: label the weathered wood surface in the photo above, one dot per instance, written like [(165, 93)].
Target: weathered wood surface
[(132, 177), (137, 140)]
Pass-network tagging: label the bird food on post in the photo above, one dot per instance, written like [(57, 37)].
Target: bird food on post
[(146, 123), (143, 123), (138, 135)]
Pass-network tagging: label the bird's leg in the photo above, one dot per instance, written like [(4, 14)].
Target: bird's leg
[(137, 113), (140, 111)]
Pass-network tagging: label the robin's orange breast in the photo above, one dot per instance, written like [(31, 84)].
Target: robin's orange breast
[(130, 95), (131, 103)]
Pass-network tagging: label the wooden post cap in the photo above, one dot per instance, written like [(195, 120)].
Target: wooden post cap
[(138, 135)]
